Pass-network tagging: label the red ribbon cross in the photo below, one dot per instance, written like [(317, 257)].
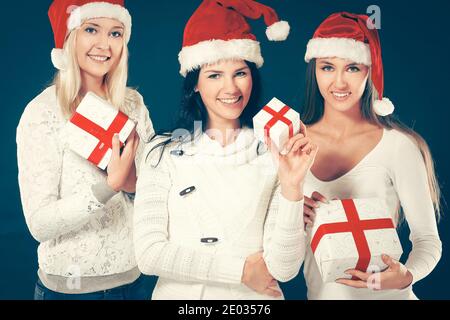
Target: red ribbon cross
[(104, 136), (278, 116), (356, 227)]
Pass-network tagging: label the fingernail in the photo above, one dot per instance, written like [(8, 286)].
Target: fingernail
[(316, 205)]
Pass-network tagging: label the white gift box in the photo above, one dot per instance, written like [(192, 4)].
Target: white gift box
[(346, 231), (276, 117), (91, 128)]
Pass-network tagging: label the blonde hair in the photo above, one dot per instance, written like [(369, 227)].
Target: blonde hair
[(68, 81), (314, 109)]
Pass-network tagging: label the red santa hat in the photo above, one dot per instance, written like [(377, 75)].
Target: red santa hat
[(218, 30), (67, 15), (353, 37)]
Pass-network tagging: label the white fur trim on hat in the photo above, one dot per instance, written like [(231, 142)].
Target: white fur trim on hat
[(383, 107), (344, 48), (278, 31), (59, 59), (100, 10), (210, 51)]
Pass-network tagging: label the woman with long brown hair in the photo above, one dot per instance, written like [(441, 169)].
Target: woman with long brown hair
[(365, 152), (214, 217)]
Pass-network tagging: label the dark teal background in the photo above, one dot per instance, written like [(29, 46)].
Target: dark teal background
[(415, 46)]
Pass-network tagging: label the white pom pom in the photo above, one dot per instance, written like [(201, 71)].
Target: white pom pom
[(383, 107), (278, 31), (74, 20), (59, 59)]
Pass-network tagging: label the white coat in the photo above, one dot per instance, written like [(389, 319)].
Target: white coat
[(224, 195)]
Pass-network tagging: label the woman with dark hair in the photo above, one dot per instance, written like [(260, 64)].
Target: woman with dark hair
[(365, 153), (193, 110), (213, 217)]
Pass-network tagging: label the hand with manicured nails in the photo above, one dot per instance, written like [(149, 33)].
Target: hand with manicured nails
[(121, 169), (310, 205), (256, 276), (396, 276), (293, 166)]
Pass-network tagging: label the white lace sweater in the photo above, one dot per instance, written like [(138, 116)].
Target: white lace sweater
[(236, 200), (77, 232), (395, 172)]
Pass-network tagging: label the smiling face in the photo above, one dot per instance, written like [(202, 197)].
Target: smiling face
[(341, 82), (225, 88), (99, 46)]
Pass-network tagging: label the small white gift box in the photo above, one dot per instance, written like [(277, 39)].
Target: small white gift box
[(91, 128), (277, 122)]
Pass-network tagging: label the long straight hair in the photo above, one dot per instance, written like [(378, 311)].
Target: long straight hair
[(68, 82), (192, 109), (314, 109)]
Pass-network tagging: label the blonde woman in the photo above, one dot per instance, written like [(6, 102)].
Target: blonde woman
[(81, 215), (365, 152)]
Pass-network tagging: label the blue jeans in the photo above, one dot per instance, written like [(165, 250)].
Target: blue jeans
[(137, 290)]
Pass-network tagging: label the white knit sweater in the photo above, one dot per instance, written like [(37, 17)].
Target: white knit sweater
[(77, 232), (236, 200), (393, 171)]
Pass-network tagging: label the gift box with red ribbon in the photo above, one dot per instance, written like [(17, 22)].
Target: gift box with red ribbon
[(276, 123), (91, 128), (353, 234)]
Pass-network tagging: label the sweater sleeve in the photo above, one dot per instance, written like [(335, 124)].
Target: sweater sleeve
[(144, 129), (40, 161), (411, 184), (284, 237), (155, 253)]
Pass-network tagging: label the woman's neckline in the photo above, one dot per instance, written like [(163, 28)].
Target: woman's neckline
[(360, 162)]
